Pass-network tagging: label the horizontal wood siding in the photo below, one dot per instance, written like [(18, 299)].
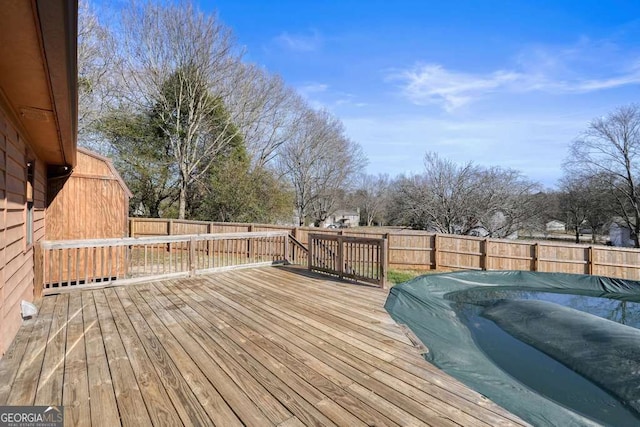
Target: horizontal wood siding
[(16, 257)]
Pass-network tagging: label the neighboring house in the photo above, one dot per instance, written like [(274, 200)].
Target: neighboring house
[(481, 231), (344, 218), (497, 224), (555, 226), (38, 120), (620, 234)]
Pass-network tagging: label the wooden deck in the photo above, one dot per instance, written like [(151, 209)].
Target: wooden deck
[(257, 347)]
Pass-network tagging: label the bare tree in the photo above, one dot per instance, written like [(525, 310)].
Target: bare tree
[(96, 62), (372, 196), (181, 64), (504, 201), (267, 112), (463, 199), (451, 194), (440, 199), (319, 161), (610, 148), (587, 201)]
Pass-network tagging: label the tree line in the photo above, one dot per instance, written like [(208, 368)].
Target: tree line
[(198, 132), (599, 186)]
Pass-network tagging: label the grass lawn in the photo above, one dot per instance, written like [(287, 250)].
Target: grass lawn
[(395, 277)]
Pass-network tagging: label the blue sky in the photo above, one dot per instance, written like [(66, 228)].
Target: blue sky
[(506, 83), (497, 82)]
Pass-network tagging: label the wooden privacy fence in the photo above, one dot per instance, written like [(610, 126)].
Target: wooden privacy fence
[(462, 252), (72, 264), (356, 258), (419, 250)]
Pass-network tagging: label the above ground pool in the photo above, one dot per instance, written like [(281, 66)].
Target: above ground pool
[(554, 349)]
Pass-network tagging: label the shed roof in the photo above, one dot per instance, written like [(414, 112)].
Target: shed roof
[(109, 164)]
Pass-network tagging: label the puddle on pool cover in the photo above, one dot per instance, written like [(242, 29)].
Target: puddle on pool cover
[(534, 368)]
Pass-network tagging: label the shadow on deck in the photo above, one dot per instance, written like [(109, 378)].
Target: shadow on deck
[(257, 347)]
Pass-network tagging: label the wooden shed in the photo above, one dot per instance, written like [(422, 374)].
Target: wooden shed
[(91, 203)]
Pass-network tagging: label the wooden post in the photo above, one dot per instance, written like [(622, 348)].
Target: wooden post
[(590, 260), (296, 250), (287, 242), (192, 256), (126, 261), (250, 243), (38, 270), (435, 252), (131, 227), (484, 257), (384, 261), (209, 242), (310, 254), (340, 256), (536, 254), (169, 230)]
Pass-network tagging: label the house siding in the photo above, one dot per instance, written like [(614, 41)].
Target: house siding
[(16, 257)]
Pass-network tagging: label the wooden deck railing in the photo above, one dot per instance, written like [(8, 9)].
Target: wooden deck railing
[(420, 250), (73, 264), (358, 258)]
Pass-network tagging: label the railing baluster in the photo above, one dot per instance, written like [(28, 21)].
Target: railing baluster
[(142, 258), (60, 267)]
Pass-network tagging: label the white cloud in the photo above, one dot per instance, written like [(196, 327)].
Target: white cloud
[(311, 88), (432, 83), (299, 42), (587, 67), (322, 96)]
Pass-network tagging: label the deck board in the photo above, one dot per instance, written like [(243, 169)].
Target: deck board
[(75, 393), (270, 346)]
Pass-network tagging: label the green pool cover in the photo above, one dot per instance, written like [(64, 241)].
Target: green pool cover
[(554, 349)]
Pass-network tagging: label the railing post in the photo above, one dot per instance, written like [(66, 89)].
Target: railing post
[(384, 261), (38, 270), (131, 227), (169, 231), (127, 260), (310, 254), (536, 254), (250, 243), (340, 256), (590, 260), (287, 243), (209, 243), (192, 256), (294, 253)]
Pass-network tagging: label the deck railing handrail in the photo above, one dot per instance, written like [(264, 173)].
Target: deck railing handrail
[(74, 264), (128, 241)]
